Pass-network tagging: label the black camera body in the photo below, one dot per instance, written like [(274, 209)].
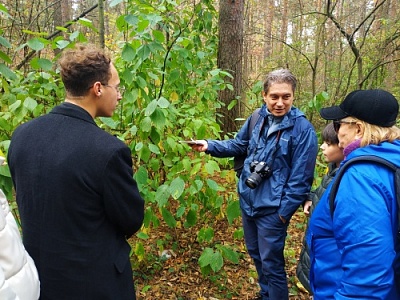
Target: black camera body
[(260, 170)]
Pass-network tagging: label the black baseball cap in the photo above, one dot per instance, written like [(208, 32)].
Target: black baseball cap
[(377, 107)]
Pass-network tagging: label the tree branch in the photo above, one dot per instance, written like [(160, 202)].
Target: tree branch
[(55, 33)]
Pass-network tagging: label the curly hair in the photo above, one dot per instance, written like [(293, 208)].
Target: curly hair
[(280, 76), (82, 66)]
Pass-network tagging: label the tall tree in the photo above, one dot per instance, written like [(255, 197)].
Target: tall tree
[(101, 24), (230, 56)]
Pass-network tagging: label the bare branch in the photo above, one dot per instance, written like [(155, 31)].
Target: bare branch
[(49, 37)]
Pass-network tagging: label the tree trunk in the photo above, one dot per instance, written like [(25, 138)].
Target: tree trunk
[(230, 57), (101, 24)]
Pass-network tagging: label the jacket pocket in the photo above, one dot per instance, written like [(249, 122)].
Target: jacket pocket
[(122, 257)]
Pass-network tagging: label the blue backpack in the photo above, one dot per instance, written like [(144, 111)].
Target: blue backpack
[(238, 161)]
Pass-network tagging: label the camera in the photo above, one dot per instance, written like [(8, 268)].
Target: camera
[(260, 170)]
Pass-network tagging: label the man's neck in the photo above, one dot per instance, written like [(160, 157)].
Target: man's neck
[(83, 102)]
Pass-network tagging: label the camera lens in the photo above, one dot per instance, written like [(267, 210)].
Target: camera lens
[(253, 180)]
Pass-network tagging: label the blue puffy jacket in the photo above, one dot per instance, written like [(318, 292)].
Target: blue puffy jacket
[(292, 168), (353, 255)]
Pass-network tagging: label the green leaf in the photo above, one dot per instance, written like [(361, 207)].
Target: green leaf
[(142, 25), (233, 211), (128, 53), (168, 218), (139, 250), (177, 187), (205, 235), (109, 122), (145, 125), (4, 42), (158, 119), (115, 2), (4, 9), (148, 217), (206, 256), (62, 44), (201, 132), (5, 171), (180, 211), (154, 149), (141, 82), (41, 63), (7, 73), (196, 168), (141, 175), (214, 186), (45, 64), (211, 166), (5, 124), (142, 235), (211, 258), (174, 75), (5, 57), (229, 254), (139, 146), (232, 104), (162, 195), (13, 107), (73, 36), (163, 103), (144, 52), (150, 108), (158, 36), (191, 218), (30, 103), (197, 185), (131, 19), (35, 44), (85, 22), (145, 154), (238, 234), (200, 54), (217, 262)]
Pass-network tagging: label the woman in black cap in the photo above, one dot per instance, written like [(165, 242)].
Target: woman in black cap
[(355, 251)]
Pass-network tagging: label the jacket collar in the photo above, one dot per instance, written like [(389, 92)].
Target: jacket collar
[(73, 111), (285, 121)]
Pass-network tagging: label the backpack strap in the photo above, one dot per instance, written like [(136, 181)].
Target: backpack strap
[(238, 161), (371, 158)]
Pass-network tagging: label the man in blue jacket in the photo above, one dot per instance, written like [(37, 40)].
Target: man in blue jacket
[(75, 190), (276, 177)]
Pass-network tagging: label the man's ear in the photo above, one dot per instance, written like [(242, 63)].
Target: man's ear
[(97, 88)]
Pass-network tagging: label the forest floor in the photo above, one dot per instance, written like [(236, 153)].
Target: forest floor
[(177, 274)]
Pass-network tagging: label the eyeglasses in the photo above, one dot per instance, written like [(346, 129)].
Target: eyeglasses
[(337, 123), (119, 89)]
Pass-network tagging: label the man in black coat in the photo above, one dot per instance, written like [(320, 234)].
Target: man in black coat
[(75, 190)]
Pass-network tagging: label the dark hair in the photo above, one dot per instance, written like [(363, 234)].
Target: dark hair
[(329, 134), (82, 66), (280, 76)]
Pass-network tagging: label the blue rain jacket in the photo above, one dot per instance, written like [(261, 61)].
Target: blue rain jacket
[(353, 255), (292, 169)]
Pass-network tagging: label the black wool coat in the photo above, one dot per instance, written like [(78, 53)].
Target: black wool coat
[(78, 204)]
